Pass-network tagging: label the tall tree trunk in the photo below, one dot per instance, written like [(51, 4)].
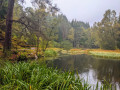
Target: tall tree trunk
[(7, 43)]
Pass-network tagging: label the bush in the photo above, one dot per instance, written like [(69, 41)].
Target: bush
[(66, 45), (54, 44), (39, 55), (14, 52), (22, 57), (50, 53)]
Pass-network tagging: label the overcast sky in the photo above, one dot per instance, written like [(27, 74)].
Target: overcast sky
[(86, 10)]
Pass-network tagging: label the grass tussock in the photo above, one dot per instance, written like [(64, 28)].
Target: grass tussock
[(33, 76)]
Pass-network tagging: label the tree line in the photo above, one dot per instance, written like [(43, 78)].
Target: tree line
[(41, 26)]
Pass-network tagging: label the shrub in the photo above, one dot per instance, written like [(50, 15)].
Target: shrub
[(39, 55), (67, 45), (54, 44), (14, 52), (22, 57), (50, 53)]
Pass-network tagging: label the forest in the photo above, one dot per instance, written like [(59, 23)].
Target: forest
[(32, 27), (41, 31)]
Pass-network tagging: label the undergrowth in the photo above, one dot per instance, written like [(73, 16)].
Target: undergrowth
[(36, 76), (33, 76)]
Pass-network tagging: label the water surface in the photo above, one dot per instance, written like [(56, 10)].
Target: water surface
[(90, 68)]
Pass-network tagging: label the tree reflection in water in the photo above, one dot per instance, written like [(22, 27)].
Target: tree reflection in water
[(92, 69)]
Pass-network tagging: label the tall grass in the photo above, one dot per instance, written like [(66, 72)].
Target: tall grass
[(33, 76), (115, 55)]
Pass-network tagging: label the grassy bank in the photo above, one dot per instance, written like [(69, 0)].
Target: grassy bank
[(33, 76), (55, 52), (113, 54), (106, 54)]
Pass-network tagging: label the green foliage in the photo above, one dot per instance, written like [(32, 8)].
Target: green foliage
[(104, 34), (66, 45), (43, 44), (107, 31), (2, 37), (15, 52), (17, 43), (71, 34), (31, 40), (50, 53), (72, 31), (3, 13), (22, 57), (39, 55), (63, 27), (3, 8), (57, 31), (54, 44), (33, 76)]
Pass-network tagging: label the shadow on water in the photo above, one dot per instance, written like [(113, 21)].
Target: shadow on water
[(91, 69)]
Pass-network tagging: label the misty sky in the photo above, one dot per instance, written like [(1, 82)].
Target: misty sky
[(86, 10)]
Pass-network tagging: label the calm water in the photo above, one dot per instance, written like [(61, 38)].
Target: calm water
[(91, 69)]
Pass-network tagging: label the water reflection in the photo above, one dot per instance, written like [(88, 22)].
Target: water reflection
[(92, 69)]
